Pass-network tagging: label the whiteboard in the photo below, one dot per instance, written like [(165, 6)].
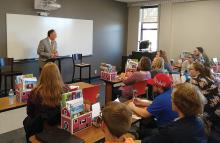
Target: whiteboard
[(24, 33)]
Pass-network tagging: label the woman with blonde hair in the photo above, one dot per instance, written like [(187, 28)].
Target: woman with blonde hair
[(157, 66), (43, 106)]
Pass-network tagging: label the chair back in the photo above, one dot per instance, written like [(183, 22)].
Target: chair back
[(77, 57), (6, 62), (91, 94), (139, 88)]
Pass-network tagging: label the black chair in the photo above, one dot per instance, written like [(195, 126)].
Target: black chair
[(77, 62), (7, 70)]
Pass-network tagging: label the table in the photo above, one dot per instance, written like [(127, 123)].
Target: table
[(12, 116), (93, 134), (109, 85), (4, 102), (83, 85), (5, 106)]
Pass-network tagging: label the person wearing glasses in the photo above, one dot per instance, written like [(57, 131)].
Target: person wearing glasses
[(201, 78), (186, 63)]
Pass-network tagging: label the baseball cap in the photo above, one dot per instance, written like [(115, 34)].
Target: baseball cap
[(160, 80)]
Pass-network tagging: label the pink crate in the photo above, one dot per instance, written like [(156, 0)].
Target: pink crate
[(75, 124), (108, 75), (22, 96)]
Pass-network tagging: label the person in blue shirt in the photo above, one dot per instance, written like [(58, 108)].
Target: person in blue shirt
[(160, 108), (188, 127)]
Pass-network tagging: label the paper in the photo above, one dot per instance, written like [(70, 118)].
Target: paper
[(96, 110), (117, 100)]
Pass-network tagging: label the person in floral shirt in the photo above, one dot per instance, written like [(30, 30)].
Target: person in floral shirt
[(210, 90)]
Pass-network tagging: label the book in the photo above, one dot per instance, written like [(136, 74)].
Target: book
[(75, 106)]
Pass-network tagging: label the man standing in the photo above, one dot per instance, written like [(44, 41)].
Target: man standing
[(47, 48)]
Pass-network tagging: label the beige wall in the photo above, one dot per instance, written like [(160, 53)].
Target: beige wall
[(196, 24), (165, 27), (133, 26), (183, 26)]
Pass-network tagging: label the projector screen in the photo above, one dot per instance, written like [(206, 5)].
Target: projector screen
[(24, 33)]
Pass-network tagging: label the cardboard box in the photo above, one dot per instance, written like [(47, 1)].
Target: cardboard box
[(22, 96), (75, 116), (109, 76), (78, 123), (23, 86)]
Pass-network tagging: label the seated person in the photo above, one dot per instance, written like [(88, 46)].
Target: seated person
[(188, 127), (112, 114), (142, 74), (167, 64), (209, 89), (160, 108), (186, 64), (43, 105), (157, 66), (201, 56)]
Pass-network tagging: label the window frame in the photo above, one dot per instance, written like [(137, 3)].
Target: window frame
[(142, 23)]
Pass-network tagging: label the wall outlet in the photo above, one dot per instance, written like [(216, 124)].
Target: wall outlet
[(95, 72)]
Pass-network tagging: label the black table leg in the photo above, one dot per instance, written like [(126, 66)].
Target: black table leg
[(89, 74), (5, 80), (59, 64), (73, 73), (80, 74), (12, 83)]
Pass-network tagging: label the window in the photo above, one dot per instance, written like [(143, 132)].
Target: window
[(149, 26)]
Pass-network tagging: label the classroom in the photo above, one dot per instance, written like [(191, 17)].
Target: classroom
[(109, 71)]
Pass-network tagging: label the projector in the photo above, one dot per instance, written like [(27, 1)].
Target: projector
[(46, 5), (41, 13)]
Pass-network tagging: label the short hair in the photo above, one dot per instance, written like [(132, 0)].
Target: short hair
[(188, 99), (50, 32), (117, 117), (200, 49), (145, 64)]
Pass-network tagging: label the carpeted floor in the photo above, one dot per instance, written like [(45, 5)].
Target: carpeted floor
[(18, 136)]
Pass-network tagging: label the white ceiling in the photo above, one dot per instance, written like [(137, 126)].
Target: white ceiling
[(131, 0)]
